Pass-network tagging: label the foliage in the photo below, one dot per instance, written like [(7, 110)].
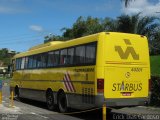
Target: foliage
[(126, 2), (50, 38), (155, 91), (155, 65), (148, 26), (84, 27), (5, 56), (127, 24), (155, 43), (155, 80)]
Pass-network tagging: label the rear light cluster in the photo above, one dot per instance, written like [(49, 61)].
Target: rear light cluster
[(100, 85)]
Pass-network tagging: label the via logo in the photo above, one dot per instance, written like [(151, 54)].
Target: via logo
[(129, 50)]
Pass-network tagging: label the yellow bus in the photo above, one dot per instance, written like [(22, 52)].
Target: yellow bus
[(105, 68)]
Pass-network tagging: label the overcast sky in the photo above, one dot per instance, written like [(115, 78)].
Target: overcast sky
[(24, 23)]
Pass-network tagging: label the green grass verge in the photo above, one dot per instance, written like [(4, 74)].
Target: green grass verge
[(2, 78), (155, 65)]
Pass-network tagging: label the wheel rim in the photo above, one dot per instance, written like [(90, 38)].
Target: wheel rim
[(50, 101)]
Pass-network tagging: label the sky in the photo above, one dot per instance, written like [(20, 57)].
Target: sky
[(24, 23)]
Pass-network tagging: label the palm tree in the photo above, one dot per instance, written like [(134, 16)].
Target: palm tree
[(126, 2), (137, 24), (148, 26), (127, 24)]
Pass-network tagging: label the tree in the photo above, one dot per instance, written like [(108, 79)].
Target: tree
[(126, 2), (155, 44), (83, 26), (138, 24), (148, 26), (109, 24), (5, 56), (50, 38), (128, 24)]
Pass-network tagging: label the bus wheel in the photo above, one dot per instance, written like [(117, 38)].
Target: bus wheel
[(50, 100), (17, 93), (62, 102)]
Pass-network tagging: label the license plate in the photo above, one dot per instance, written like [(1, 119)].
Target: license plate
[(126, 93)]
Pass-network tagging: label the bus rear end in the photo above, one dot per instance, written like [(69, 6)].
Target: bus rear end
[(126, 70)]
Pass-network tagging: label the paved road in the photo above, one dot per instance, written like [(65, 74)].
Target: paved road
[(34, 110)]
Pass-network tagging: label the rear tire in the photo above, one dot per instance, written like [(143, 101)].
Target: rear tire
[(108, 110), (62, 102), (50, 100), (16, 91)]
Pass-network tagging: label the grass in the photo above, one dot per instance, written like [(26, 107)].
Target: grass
[(155, 65), (4, 78)]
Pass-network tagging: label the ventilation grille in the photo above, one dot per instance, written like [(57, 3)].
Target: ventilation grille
[(88, 95)]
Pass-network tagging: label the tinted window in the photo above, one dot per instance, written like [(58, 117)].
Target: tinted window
[(80, 55), (18, 63), (70, 56), (56, 58), (23, 63), (41, 60), (50, 59), (30, 61), (90, 53), (26, 62), (34, 62), (63, 57)]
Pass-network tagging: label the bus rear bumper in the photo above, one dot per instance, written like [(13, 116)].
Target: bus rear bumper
[(121, 102)]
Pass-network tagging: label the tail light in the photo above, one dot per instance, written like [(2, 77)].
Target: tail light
[(150, 84), (100, 85)]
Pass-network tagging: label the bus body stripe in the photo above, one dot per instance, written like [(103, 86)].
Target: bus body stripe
[(71, 82), (68, 83), (65, 84)]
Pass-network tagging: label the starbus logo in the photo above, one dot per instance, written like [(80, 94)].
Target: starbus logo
[(129, 50)]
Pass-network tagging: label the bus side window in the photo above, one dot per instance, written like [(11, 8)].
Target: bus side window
[(26, 63), (34, 61), (70, 56), (22, 63), (90, 53), (18, 63), (41, 60), (56, 58), (30, 61), (80, 55), (63, 57), (50, 62), (38, 61)]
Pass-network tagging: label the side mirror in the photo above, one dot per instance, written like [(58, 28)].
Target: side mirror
[(9, 68)]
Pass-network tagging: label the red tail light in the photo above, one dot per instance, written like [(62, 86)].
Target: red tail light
[(150, 84), (100, 85)]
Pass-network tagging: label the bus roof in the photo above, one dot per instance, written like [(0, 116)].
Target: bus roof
[(55, 45)]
